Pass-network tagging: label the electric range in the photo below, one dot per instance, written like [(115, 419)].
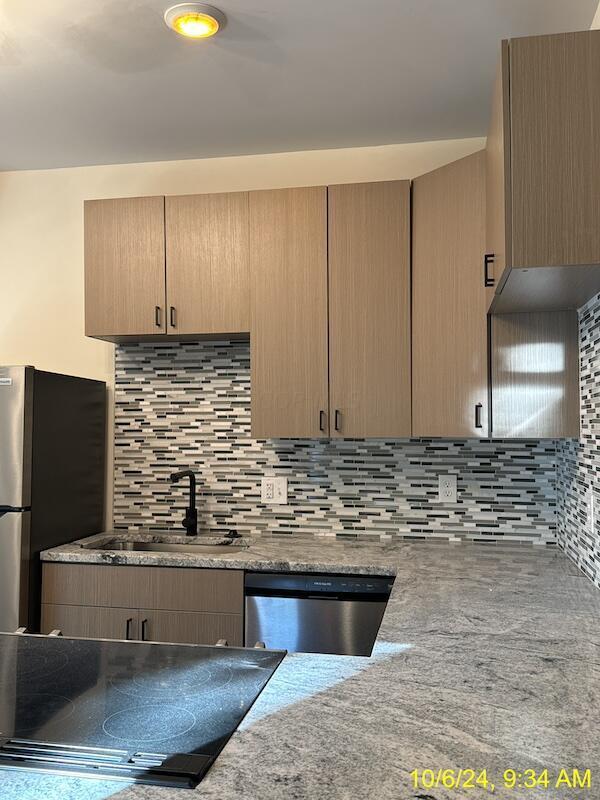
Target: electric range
[(139, 711)]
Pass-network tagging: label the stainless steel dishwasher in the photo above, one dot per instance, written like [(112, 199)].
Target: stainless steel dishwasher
[(306, 613)]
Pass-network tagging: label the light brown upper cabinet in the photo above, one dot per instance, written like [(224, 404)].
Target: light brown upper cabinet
[(288, 268), (175, 266), (449, 320), (369, 309), (207, 253), (543, 162), (535, 375), (124, 267), (330, 343)]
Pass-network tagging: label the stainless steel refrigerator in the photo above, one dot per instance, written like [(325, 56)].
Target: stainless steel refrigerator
[(52, 478)]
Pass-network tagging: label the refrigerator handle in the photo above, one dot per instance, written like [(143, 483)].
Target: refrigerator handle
[(13, 509)]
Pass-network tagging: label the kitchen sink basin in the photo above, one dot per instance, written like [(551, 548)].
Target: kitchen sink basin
[(200, 548)]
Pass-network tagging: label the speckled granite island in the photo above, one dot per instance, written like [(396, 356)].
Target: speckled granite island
[(488, 657)]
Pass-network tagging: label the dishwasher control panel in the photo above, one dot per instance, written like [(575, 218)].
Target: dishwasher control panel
[(318, 584)]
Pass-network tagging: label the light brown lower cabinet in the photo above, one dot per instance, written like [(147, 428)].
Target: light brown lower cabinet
[(163, 604), (190, 627), (91, 622)]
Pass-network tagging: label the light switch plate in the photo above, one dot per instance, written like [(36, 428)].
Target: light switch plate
[(273, 491), (447, 488)]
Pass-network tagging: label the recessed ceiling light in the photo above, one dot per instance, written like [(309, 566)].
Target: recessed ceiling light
[(195, 20)]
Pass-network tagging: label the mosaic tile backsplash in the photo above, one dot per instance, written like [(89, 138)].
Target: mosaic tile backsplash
[(579, 460), (188, 405)]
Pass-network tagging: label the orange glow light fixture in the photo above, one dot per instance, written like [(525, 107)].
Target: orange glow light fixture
[(195, 20)]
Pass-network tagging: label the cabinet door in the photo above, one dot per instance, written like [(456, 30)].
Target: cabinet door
[(190, 628), (535, 375), (369, 309), (544, 171), (90, 621), (208, 289), (288, 268), (555, 149), (169, 588), (449, 326), (497, 155), (124, 267)]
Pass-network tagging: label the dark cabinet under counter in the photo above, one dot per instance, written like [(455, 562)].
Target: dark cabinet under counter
[(164, 604)]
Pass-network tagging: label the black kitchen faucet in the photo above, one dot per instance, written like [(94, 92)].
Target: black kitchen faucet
[(190, 521)]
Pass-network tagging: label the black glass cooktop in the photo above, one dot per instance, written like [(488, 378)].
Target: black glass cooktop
[(153, 713)]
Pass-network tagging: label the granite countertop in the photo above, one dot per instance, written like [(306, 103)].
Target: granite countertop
[(281, 553), (488, 657)]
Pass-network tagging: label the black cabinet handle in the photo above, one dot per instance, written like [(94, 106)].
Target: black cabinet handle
[(172, 318), (338, 419), (144, 628), (321, 420), (157, 316), (487, 260), (128, 628), (478, 409)]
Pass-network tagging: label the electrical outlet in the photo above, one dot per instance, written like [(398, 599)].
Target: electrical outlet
[(591, 510), (447, 488), (273, 491)]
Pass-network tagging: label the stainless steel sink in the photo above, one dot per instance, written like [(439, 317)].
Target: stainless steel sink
[(200, 548)]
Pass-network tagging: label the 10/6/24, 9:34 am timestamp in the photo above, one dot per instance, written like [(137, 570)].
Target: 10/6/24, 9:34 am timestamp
[(473, 779)]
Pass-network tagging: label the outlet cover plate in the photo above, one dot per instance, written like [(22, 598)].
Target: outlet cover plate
[(591, 510), (273, 491), (447, 488)]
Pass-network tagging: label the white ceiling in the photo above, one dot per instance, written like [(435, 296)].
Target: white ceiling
[(106, 82)]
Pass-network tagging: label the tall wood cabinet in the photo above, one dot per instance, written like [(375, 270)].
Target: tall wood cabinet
[(288, 267), (175, 266), (543, 156), (449, 325), (330, 341), (369, 309)]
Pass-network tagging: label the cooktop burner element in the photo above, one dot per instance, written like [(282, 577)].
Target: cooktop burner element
[(153, 723), (147, 712)]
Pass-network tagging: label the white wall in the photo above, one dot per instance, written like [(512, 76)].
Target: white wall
[(41, 231)]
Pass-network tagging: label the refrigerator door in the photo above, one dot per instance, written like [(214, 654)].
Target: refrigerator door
[(14, 569), (16, 415)]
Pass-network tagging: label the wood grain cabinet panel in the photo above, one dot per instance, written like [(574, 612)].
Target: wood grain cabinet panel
[(498, 192), (555, 150), (90, 621), (220, 590), (191, 628), (288, 268), (369, 309), (124, 267), (449, 322), (167, 588), (535, 375), (207, 252), (544, 173)]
